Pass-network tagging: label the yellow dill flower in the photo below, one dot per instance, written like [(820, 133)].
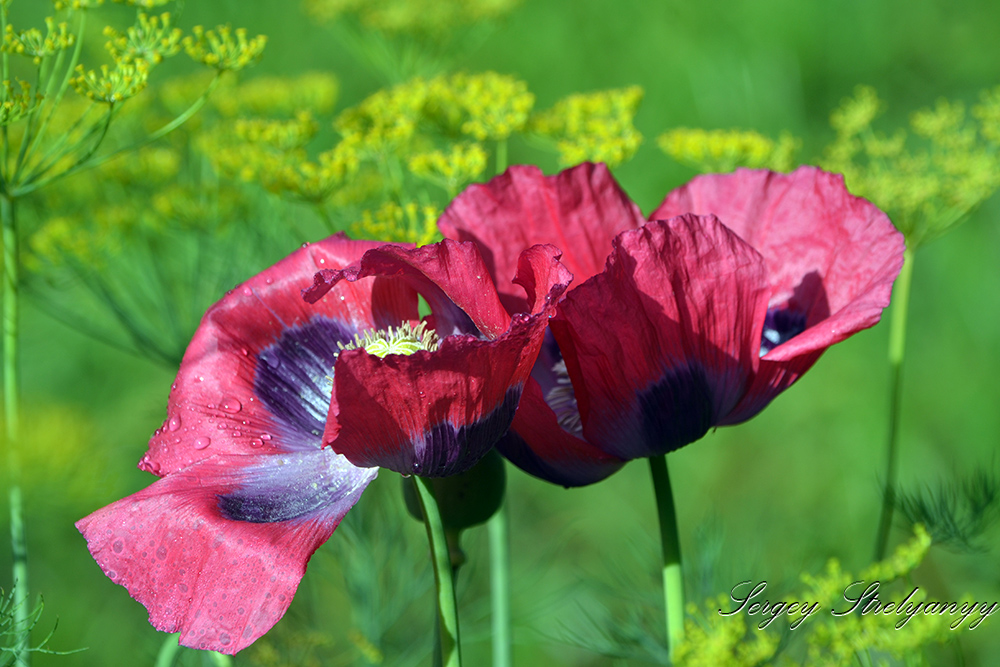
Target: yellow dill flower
[(927, 181), (153, 165), (987, 112), (483, 106), (77, 4), (145, 4), (150, 39), (725, 150), (15, 102), (432, 18), (273, 95), (33, 44), (711, 640), (224, 49), (596, 127), (452, 170), (112, 85), (385, 122), (406, 223), (281, 134)]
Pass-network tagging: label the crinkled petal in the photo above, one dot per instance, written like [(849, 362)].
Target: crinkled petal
[(216, 551), (664, 343), (831, 257), (537, 444), (578, 210), (226, 398), (450, 275)]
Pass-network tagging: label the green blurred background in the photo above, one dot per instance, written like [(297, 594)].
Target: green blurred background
[(769, 499)]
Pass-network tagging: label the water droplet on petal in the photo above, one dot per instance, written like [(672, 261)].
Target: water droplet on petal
[(247, 291), (256, 443), (174, 423), (237, 434), (202, 443), (231, 405), (265, 436)]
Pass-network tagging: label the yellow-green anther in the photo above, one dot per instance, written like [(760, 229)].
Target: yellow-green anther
[(404, 339)]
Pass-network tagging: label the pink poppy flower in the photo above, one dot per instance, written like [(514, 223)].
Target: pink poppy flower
[(273, 431), (696, 319)]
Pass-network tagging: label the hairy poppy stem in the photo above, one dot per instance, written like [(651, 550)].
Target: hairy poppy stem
[(897, 348), (673, 580), (447, 608), (11, 400), (499, 532)]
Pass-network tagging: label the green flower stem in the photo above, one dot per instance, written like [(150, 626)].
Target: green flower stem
[(897, 349), (673, 581), (168, 651), (11, 412), (500, 620), (53, 102), (447, 606), (89, 162), (501, 156)]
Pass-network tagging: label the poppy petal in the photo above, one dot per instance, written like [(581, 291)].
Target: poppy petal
[(665, 341), (831, 258), (216, 551), (219, 402), (578, 210), (538, 445), (450, 275)]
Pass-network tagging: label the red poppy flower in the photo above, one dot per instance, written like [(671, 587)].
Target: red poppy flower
[(696, 319), (273, 430)]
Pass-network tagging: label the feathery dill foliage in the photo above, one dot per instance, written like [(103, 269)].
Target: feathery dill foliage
[(380, 559), (401, 154), (401, 39), (15, 631), (957, 513), (724, 150), (90, 240), (928, 179)]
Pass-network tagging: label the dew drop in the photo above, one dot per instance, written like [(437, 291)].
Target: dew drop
[(343, 298), (237, 434), (174, 423), (269, 280), (265, 436), (202, 443), (247, 291), (231, 405), (117, 546), (244, 351), (256, 442), (322, 261)]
